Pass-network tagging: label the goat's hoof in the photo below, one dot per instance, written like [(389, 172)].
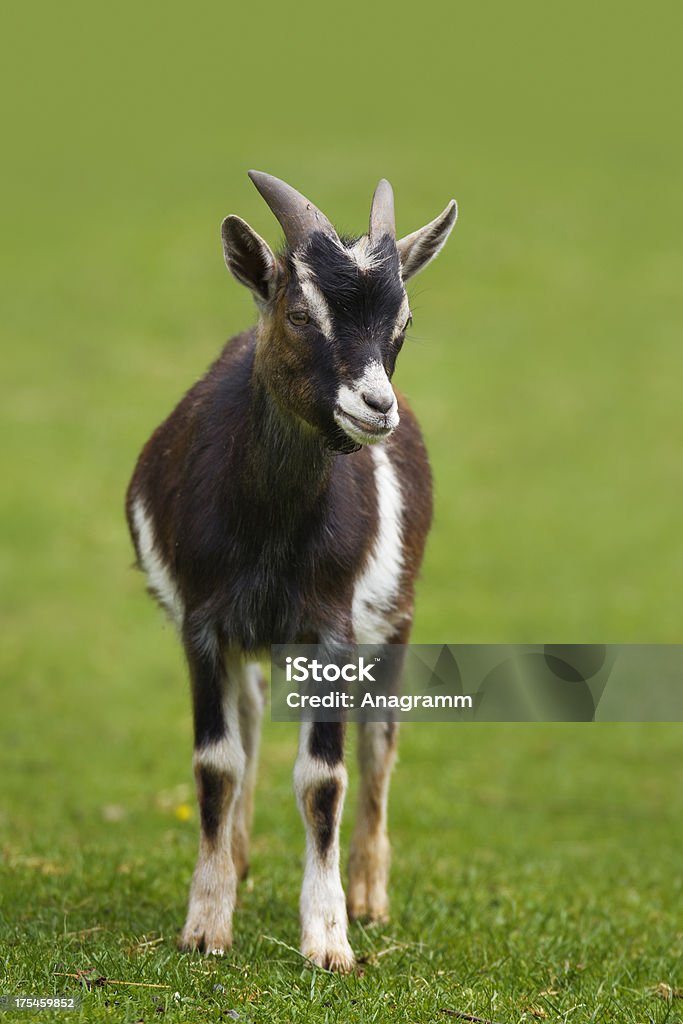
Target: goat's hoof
[(340, 959), (367, 902), (367, 898), (371, 913), (199, 939)]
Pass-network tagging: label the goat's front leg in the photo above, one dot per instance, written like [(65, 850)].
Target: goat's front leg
[(320, 784), (370, 851), (219, 765)]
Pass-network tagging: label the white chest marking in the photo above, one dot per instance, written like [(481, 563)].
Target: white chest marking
[(376, 589), (156, 570)]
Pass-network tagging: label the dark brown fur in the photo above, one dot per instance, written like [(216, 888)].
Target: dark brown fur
[(225, 488), (322, 804), (263, 512)]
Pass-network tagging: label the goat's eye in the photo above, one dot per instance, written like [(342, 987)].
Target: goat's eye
[(298, 317)]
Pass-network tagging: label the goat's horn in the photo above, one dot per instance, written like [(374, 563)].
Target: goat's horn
[(382, 221), (298, 217)]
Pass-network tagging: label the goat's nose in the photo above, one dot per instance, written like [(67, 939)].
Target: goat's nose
[(381, 402)]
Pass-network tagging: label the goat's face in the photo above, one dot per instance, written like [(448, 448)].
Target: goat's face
[(337, 329), (334, 312)]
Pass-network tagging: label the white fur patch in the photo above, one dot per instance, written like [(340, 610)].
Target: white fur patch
[(363, 256), (158, 574), (225, 756), (317, 303), (376, 589), (374, 425), (212, 898)]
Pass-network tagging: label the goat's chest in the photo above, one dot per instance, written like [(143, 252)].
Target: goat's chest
[(362, 563), (344, 571), (376, 603)]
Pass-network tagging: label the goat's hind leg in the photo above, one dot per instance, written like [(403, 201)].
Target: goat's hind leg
[(251, 703), (219, 765), (370, 853)]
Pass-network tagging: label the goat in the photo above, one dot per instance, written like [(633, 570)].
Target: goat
[(287, 499)]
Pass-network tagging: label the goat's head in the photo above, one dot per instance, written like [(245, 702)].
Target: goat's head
[(333, 311)]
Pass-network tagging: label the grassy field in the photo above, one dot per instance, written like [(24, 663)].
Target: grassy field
[(537, 868)]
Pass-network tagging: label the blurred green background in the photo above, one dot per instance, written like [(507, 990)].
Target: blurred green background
[(545, 365)]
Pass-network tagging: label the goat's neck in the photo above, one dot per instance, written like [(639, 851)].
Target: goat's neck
[(290, 460)]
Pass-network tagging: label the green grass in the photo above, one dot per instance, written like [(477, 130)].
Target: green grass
[(536, 867)]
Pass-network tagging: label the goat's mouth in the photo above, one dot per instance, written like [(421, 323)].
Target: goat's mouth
[(364, 431)]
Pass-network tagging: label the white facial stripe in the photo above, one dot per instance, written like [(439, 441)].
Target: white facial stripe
[(314, 297), (403, 314)]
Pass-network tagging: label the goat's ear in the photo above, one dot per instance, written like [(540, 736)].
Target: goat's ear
[(249, 258), (418, 249)]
